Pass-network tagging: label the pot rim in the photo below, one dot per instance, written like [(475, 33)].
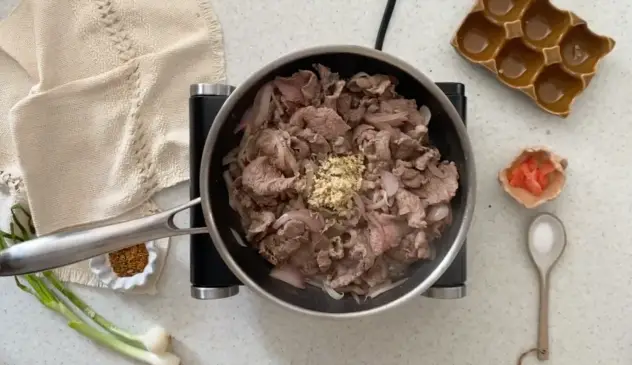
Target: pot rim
[(252, 80)]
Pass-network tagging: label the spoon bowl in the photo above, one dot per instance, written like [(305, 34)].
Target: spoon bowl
[(546, 240)]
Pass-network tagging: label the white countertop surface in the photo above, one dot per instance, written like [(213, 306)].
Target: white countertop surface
[(591, 298)]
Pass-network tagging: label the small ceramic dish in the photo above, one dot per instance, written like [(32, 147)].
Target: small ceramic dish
[(101, 267), (556, 178)]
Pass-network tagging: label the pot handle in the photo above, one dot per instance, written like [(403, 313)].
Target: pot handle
[(65, 248)]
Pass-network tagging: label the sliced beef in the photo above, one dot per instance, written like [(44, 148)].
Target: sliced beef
[(262, 178), (300, 148), (412, 248), (331, 100), (405, 148), (300, 88), (357, 261), (323, 260), (291, 229), (343, 107), (375, 146), (430, 155), (442, 184), (418, 133), (260, 110), (304, 259), (385, 232), (324, 121), (277, 250), (377, 274), (327, 78), (371, 85), (410, 205), (341, 145), (259, 223), (385, 120), (408, 106), (276, 144), (410, 177), (317, 143)]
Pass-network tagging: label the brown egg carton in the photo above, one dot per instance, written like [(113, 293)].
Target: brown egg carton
[(547, 53)]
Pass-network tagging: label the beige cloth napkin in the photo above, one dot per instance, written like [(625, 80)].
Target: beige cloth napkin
[(94, 104)]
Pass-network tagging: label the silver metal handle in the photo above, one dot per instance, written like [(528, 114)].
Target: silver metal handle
[(64, 248)]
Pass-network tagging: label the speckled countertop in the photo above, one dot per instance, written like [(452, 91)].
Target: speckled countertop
[(591, 298)]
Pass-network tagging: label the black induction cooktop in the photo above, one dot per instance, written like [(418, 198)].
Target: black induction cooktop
[(210, 277)]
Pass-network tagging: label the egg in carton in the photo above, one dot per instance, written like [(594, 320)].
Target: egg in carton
[(547, 53)]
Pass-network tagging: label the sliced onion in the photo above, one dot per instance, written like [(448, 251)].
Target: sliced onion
[(228, 180), (356, 297), (394, 119), (389, 183), (332, 293), (382, 202), (244, 121), (385, 127), (303, 215), (383, 288), (309, 178), (438, 212), (238, 238), (360, 204), (228, 159), (425, 113), (289, 275), (315, 282)]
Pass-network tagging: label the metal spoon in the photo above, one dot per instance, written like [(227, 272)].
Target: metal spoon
[(546, 239)]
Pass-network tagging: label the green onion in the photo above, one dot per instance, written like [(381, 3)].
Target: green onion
[(149, 348)]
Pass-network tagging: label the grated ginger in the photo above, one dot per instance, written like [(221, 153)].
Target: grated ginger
[(335, 183)]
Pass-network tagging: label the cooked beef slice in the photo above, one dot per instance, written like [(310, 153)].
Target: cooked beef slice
[(300, 148), (386, 231), (412, 248), (375, 145), (442, 183), (341, 145), (418, 133), (276, 144), (377, 274), (371, 85), (259, 223), (317, 143), (358, 260), (429, 155), (404, 147), (300, 88), (276, 249), (304, 259), (324, 121), (260, 110), (410, 205), (263, 179)]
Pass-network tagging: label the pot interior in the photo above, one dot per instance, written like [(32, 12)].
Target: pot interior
[(442, 133)]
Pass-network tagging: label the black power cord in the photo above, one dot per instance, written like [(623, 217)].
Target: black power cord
[(386, 18)]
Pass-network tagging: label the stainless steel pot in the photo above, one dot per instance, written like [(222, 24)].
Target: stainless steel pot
[(446, 131)]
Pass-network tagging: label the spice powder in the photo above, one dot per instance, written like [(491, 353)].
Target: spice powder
[(129, 261)]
